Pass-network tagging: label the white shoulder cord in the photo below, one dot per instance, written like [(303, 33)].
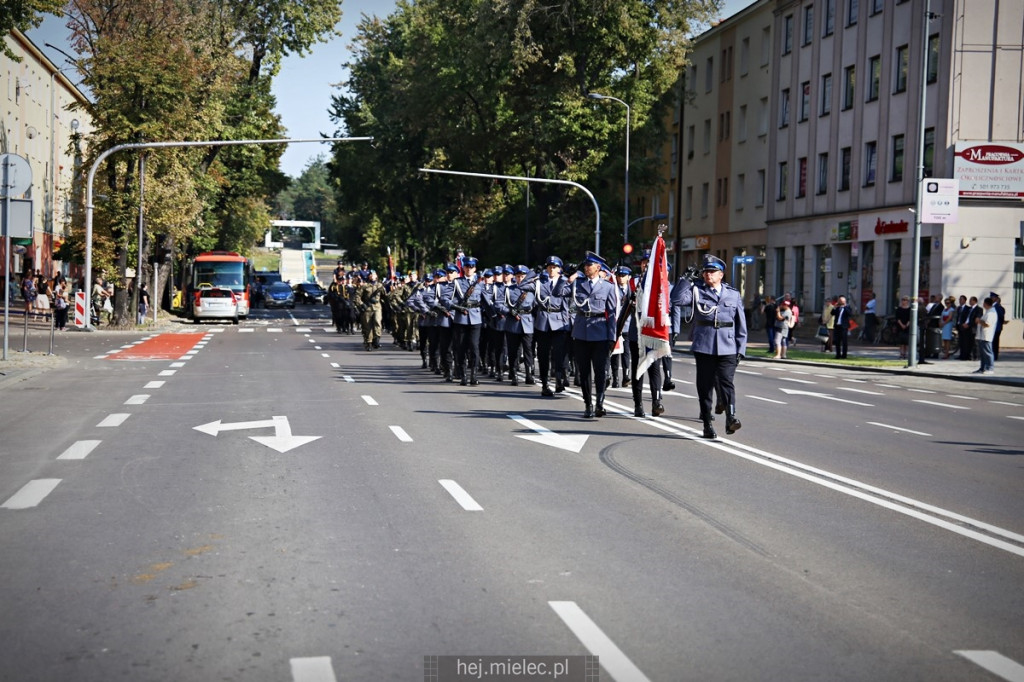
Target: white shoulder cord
[(577, 301)]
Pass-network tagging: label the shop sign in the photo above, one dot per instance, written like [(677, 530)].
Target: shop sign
[(891, 226), (703, 241), (989, 169), (688, 243), (845, 231)]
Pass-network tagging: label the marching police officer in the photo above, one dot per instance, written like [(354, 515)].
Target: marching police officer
[(719, 336), (593, 331), (551, 325), (467, 320), (517, 307)]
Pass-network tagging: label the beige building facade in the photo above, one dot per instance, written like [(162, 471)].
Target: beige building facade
[(36, 125)]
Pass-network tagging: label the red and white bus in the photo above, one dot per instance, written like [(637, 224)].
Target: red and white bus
[(225, 270)]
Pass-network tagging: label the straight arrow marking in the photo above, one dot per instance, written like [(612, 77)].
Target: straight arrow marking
[(573, 443)]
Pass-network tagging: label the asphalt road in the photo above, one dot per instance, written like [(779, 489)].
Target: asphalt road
[(859, 526)]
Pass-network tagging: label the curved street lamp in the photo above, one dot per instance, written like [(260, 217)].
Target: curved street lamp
[(625, 221)]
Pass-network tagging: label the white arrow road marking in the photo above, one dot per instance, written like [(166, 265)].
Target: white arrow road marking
[(282, 440), (31, 494), (461, 496), (616, 664), (572, 443), (858, 390), (312, 669), (897, 428), (823, 396), (996, 663), (797, 381)]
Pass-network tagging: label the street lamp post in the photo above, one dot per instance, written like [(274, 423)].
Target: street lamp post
[(163, 145), (625, 220), (656, 216)]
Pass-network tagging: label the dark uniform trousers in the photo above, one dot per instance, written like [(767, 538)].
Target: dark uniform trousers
[(516, 341), (591, 368), (466, 342), (654, 373), (551, 349), (715, 372)]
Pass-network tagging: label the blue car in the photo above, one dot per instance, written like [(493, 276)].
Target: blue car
[(279, 295)]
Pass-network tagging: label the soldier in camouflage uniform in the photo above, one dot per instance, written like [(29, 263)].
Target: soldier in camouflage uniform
[(369, 302)]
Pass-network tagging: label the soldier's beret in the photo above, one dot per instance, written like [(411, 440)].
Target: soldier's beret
[(713, 263)]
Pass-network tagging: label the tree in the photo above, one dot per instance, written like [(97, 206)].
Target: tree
[(23, 15), (311, 197)]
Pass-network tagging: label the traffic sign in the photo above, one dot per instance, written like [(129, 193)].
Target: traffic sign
[(743, 260), (15, 175), (940, 200)]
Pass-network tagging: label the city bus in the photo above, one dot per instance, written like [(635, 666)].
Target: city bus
[(222, 269)]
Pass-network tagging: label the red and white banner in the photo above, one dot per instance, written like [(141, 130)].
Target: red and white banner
[(653, 310)]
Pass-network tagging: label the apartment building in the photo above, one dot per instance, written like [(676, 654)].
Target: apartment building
[(36, 125)]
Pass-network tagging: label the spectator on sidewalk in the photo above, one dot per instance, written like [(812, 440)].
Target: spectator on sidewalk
[(870, 319), (841, 327), (965, 327), (60, 302), (829, 321), (770, 319), (986, 324), (783, 322), (903, 325), (29, 293), (997, 305), (795, 309), (948, 319)]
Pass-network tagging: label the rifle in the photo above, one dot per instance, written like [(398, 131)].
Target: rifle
[(525, 287), (627, 310), (465, 297)]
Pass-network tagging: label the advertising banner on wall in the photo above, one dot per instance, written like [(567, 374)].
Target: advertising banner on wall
[(992, 170)]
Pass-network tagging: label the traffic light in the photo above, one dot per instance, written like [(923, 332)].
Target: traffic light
[(627, 248)]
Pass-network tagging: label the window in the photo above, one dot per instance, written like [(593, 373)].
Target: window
[(874, 77), (766, 45), (784, 108), (787, 34), (726, 67), (826, 94), (709, 74), (724, 125), (688, 206), (929, 152), (722, 192), (896, 171), (933, 58), (829, 20), (744, 56), (801, 185), (762, 116), (693, 78), (808, 25), (876, 6), (805, 100), (849, 86), (691, 134), (852, 10), (760, 188), (783, 179), (822, 173), (902, 64), (870, 162), (707, 136), (741, 185), (846, 157), (742, 124), (704, 200)]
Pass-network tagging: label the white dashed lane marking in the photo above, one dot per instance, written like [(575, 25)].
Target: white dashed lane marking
[(616, 664), (155, 384), (114, 419), (461, 496), (932, 402), (858, 390), (167, 373), (767, 400), (312, 669), (139, 399), (369, 400), (400, 434), (31, 494), (897, 428), (79, 449)]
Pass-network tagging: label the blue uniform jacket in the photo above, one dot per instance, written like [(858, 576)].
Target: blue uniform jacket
[(517, 306), (441, 292), (493, 317), (712, 310), (552, 311), (465, 301), (595, 310)]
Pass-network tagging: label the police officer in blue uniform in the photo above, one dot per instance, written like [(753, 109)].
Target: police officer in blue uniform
[(517, 307), (719, 336), (593, 331), (551, 325), (467, 320)]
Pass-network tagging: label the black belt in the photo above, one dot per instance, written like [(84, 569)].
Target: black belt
[(715, 324), (471, 305), (586, 314), (553, 310)]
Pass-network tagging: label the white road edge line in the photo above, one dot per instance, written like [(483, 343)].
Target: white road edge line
[(616, 664), (897, 428), (995, 663), (31, 494), (401, 434), (1010, 416), (369, 400), (80, 449), (312, 669), (461, 496)]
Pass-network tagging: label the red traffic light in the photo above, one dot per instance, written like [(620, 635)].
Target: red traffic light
[(627, 249)]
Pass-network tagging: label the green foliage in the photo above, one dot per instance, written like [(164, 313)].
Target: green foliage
[(499, 87), (23, 15)]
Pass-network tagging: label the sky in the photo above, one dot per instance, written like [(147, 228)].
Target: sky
[(305, 85)]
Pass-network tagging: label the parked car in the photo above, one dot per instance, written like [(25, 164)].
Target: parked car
[(215, 303), (279, 295), (310, 292)]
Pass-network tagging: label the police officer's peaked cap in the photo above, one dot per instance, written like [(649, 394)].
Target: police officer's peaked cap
[(713, 263), (623, 270), (592, 257), (509, 270), (451, 267), (488, 273), (522, 270), (469, 262), (429, 277), (554, 260), (398, 274), (647, 255), (498, 269), (439, 273)]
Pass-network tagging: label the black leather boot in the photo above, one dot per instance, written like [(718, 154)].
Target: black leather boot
[(545, 390), (472, 378), (638, 409), (588, 411), (658, 408), (530, 381), (732, 424), (709, 431), (515, 377), (559, 385), (599, 411)]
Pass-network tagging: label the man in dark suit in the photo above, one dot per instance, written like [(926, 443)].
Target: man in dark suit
[(841, 327)]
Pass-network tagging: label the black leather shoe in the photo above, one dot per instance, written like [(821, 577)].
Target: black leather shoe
[(600, 411), (658, 409), (668, 386), (588, 411), (625, 382), (559, 386), (530, 381), (615, 383), (515, 379), (709, 431), (638, 411), (732, 424), (546, 391)]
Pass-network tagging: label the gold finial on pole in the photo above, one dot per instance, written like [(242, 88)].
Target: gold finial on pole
[(662, 229)]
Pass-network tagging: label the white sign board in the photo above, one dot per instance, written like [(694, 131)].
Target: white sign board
[(21, 218), (993, 170), (940, 200)]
